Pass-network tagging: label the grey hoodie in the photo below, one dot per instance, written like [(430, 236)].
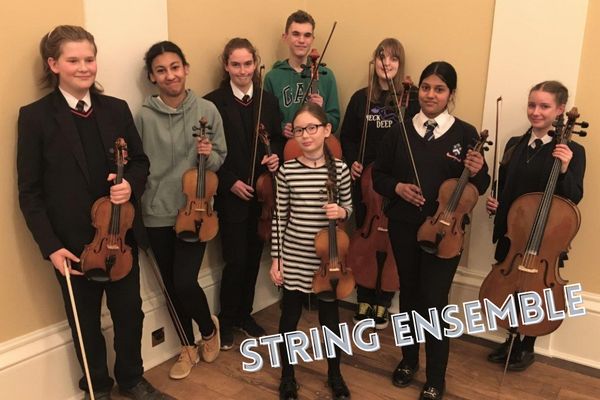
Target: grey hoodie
[(167, 138)]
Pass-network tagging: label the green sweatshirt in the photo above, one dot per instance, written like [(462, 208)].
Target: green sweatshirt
[(167, 138), (289, 87)]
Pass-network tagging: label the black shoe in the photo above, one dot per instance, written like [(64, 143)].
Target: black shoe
[(288, 389), (363, 311), (521, 360), (226, 338), (97, 396), (144, 391), (403, 374), (382, 317), (501, 352), (251, 329), (431, 393), (339, 390)]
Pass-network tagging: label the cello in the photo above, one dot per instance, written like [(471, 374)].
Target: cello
[(196, 220), (107, 258), (370, 255), (541, 227), (443, 234)]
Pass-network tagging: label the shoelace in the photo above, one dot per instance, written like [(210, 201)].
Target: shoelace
[(363, 308)]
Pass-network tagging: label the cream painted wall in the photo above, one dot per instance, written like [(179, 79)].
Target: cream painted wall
[(585, 257), (29, 296), (430, 30)]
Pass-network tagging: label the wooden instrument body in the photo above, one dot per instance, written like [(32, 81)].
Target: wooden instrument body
[(520, 272), (333, 280), (107, 257), (370, 240), (444, 232), (197, 221)]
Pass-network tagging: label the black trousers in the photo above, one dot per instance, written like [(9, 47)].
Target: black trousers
[(291, 311), (425, 282), (242, 250), (179, 264), (125, 305)]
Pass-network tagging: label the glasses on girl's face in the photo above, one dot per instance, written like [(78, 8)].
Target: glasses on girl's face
[(311, 129)]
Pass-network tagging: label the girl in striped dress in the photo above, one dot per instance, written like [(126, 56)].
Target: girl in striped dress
[(302, 212)]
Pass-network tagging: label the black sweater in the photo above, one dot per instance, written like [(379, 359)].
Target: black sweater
[(436, 161), (380, 118)]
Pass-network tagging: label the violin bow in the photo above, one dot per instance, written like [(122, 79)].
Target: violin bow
[(256, 131), (319, 62), (363, 136), (144, 244), (86, 369), (494, 188), (401, 120)]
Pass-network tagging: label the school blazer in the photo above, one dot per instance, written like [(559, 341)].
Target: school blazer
[(53, 179), (239, 152)]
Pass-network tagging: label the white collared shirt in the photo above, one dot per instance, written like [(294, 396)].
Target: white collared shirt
[(72, 100), (545, 139), (238, 93), (444, 122)]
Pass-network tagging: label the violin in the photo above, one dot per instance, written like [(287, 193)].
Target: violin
[(107, 258), (333, 280), (292, 148), (266, 192), (540, 227), (370, 255), (197, 221), (443, 234)]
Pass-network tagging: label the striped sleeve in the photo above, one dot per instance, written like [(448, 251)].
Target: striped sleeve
[(344, 187), (280, 218)]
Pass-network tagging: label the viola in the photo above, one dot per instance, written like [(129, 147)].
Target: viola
[(107, 258), (443, 234), (196, 220), (333, 280), (540, 227), (266, 192)]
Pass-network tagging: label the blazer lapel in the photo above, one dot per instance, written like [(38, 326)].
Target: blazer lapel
[(67, 127), (107, 129)]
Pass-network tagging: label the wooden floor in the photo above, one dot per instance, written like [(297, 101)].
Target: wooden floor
[(469, 375)]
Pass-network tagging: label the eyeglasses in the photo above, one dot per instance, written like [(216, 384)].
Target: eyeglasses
[(311, 129)]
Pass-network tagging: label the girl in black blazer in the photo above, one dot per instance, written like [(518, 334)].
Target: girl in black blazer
[(525, 168), (64, 164), (237, 99)]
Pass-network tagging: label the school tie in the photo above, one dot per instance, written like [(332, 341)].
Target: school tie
[(534, 147), (246, 99), (430, 125), (80, 106)]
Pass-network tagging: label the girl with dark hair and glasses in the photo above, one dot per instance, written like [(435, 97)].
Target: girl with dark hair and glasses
[(440, 146)]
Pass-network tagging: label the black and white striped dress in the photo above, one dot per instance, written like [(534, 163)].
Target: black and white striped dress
[(301, 196)]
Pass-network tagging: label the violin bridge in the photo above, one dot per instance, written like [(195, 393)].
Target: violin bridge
[(200, 209), (528, 270), (112, 246), (380, 229), (444, 222)]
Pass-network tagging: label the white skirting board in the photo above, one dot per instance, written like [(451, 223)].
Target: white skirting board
[(43, 364)]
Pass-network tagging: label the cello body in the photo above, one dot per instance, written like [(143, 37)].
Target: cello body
[(370, 256), (523, 271)]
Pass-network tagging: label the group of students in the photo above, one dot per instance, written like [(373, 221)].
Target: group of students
[(64, 166)]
